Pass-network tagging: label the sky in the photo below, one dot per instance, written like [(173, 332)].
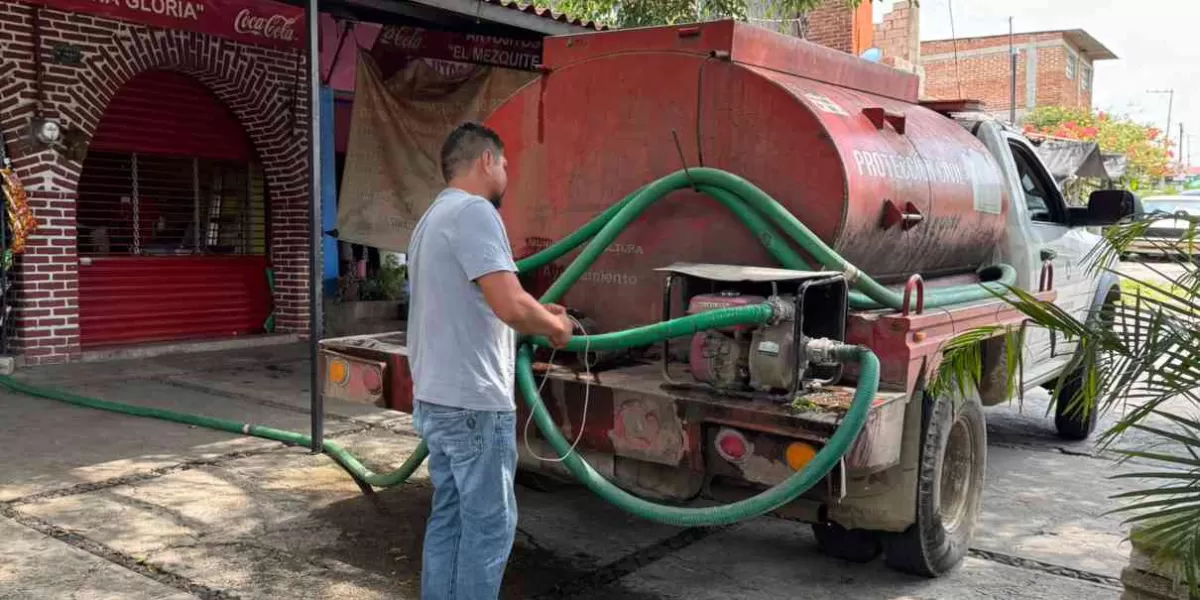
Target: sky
[(1157, 43)]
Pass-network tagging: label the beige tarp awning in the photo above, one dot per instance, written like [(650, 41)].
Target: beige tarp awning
[(392, 171)]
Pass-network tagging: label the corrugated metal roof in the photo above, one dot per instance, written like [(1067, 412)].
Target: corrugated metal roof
[(546, 13)]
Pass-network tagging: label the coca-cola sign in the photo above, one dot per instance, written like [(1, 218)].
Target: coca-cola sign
[(272, 27), (398, 43), (260, 22)]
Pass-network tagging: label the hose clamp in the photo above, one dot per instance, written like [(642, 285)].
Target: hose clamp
[(781, 310), (851, 273)]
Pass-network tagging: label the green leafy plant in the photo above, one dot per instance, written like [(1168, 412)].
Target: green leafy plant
[(641, 13), (1142, 359), (388, 283), (1148, 159)]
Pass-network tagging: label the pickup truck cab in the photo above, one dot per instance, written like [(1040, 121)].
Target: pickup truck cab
[(1044, 231)]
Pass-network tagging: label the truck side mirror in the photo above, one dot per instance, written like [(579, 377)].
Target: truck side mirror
[(1106, 207)]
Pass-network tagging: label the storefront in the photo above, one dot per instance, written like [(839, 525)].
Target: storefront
[(171, 221), (172, 200)]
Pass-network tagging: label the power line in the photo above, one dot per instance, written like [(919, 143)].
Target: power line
[(954, 43)]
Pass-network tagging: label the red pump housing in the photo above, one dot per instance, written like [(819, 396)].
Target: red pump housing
[(894, 187)]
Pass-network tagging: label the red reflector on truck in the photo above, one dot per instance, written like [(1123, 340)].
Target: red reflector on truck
[(731, 445), (372, 379)]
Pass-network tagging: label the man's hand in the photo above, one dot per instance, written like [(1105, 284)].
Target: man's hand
[(560, 338), (503, 293)]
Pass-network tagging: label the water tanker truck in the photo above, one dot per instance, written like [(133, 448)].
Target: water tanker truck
[(769, 244)]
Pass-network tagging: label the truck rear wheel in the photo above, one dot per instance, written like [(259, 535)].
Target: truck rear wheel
[(854, 545), (949, 491)]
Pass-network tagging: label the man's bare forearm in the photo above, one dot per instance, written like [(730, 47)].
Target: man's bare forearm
[(533, 319)]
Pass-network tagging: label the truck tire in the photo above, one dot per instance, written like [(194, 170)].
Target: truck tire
[(949, 491), (1071, 425), (854, 545)]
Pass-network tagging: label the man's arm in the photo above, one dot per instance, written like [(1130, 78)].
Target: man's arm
[(482, 250), (520, 310)]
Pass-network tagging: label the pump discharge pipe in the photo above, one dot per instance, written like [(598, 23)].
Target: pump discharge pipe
[(750, 204)]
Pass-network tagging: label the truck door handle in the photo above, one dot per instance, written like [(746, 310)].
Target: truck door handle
[(1048, 254)]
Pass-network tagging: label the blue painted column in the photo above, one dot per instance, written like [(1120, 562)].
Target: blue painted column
[(328, 192)]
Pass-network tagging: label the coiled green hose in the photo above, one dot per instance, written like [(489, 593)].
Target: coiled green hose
[(750, 204), (755, 314), (760, 504), (758, 211)]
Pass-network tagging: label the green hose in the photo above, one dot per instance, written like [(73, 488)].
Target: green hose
[(750, 205), (761, 214), (755, 314), (786, 491), (339, 454)]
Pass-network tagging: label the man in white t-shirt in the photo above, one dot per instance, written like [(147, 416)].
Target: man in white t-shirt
[(465, 304)]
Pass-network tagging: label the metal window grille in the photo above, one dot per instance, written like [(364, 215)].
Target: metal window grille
[(152, 205)]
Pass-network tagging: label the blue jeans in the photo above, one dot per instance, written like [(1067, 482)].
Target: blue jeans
[(472, 462)]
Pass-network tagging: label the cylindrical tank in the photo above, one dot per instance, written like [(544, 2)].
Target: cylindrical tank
[(894, 187)]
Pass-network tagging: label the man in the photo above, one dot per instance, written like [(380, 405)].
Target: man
[(466, 301)]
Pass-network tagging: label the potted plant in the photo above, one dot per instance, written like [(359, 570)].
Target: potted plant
[(369, 303)]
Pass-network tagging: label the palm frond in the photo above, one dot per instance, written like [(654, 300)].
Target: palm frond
[(1141, 358), (1170, 512)]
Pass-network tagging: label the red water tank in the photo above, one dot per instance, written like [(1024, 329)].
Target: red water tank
[(841, 142)]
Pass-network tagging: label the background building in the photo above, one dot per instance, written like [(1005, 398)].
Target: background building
[(832, 24), (1054, 68)]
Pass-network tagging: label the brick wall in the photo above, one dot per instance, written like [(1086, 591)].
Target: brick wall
[(833, 24), (257, 84), (983, 78), (898, 34), (983, 71)]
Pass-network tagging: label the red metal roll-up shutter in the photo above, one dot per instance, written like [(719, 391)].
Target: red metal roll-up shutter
[(170, 114), (172, 219)]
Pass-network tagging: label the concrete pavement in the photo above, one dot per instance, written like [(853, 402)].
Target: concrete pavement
[(164, 510), (99, 505)]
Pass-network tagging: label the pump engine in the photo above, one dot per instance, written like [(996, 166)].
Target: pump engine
[(770, 359)]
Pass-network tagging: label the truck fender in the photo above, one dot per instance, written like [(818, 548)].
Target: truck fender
[(1108, 282)]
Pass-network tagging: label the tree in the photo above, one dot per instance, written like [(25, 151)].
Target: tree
[(640, 13), (1148, 160)]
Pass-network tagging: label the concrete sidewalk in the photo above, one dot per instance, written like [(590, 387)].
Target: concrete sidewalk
[(108, 506)]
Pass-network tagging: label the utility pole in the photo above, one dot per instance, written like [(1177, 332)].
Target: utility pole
[(1012, 89), (1181, 139), (316, 325), (1170, 102)]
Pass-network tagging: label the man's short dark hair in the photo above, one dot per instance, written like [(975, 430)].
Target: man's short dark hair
[(466, 143)]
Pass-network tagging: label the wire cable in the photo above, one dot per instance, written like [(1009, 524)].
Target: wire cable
[(587, 392)]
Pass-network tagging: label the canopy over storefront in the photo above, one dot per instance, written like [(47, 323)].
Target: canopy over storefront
[(1067, 159)]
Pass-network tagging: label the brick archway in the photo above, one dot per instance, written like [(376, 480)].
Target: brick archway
[(264, 88)]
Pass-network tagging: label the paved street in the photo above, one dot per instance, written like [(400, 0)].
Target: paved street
[(99, 505)]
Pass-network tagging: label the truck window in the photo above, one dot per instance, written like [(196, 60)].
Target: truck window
[(1040, 193)]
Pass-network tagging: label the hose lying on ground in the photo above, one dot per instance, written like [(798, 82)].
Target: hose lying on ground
[(339, 454), (757, 211)]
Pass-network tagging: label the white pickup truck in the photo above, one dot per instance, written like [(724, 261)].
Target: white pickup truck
[(1044, 229)]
